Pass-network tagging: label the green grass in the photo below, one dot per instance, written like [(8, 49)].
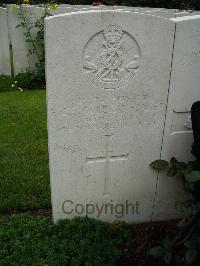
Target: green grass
[(24, 175), (34, 241)]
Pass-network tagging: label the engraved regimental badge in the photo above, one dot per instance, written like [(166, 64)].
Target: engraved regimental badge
[(111, 58)]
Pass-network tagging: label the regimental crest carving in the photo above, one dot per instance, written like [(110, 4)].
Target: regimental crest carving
[(111, 58)]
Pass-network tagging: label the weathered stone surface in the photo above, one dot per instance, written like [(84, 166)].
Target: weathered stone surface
[(5, 67), (107, 80), (184, 91)]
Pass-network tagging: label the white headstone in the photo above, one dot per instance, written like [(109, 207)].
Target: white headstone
[(170, 13), (5, 67), (20, 48), (184, 91), (61, 9), (107, 82)]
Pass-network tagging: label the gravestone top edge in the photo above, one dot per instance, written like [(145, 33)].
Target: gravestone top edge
[(180, 19), (103, 11)]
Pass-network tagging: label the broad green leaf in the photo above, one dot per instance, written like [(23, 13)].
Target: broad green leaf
[(168, 258), (179, 260), (189, 244), (166, 244), (173, 161), (183, 222), (193, 176), (159, 164), (156, 252), (172, 172), (180, 206), (191, 256)]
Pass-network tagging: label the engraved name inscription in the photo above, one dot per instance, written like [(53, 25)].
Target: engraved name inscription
[(111, 58), (118, 112)]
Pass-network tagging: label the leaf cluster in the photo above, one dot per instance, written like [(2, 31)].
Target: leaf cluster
[(23, 81), (34, 37), (185, 248), (28, 240)]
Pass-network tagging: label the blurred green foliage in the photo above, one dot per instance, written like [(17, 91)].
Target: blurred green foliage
[(179, 4)]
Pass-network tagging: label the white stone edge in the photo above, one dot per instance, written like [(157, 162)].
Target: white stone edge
[(79, 12), (179, 19)]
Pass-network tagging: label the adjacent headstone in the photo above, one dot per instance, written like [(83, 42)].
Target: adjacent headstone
[(61, 9), (108, 77), (5, 67), (184, 91), (171, 13), (22, 60)]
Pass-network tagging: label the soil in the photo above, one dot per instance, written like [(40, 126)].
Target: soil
[(146, 236)]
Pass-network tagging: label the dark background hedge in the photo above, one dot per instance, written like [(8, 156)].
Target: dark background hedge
[(180, 4)]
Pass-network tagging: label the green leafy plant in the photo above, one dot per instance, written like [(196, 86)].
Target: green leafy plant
[(7, 83), (164, 250), (22, 81), (30, 80), (35, 43), (28, 240), (34, 36), (185, 248)]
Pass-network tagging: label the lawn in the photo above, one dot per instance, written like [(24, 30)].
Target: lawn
[(24, 174)]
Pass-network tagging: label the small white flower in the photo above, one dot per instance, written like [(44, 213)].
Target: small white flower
[(20, 89)]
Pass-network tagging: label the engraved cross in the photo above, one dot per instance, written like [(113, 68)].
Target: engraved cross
[(107, 159)]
